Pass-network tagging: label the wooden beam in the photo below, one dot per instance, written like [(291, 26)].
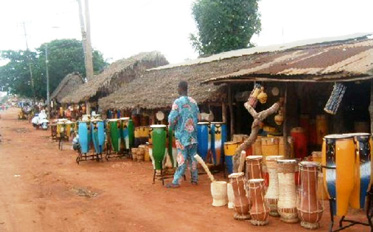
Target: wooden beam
[(224, 112), (371, 106), (284, 126), (231, 110)]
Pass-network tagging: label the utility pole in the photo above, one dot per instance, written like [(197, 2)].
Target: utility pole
[(29, 63), (89, 45), (47, 72)]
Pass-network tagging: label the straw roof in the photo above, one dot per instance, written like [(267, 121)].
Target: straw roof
[(69, 84), (350, 60), (117, 74)]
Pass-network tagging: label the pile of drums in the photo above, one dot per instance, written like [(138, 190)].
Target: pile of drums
[(291, 193), (346, 159)]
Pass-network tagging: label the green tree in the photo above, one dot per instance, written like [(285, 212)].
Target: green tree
[(224, 25), (64, 56)]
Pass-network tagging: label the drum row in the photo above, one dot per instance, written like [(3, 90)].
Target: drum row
[(211, 138), (282, 198), (347, 170)]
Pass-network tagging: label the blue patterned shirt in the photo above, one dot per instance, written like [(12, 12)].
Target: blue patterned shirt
[(183, 119)]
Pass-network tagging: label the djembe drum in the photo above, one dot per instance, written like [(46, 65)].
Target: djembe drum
[(309, 207), (259, 210), (98, 135), (287, 199), (203, 137), (335, 98), (84, 136), (241, 202), (158, 136), (254, 167), (339, 175), (124, 132), (271, 196)]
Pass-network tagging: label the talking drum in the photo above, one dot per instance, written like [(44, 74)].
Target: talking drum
[(203, 138), (241, 202), (230, 151), (254, 167), (218, 137), (287, 199), (363, 166), (115, 136), (309, 207), (124, 131), (259, 210), (98, 135), (158, 136), (339, 175), (271, 196)]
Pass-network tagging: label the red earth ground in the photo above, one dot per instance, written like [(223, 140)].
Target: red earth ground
[(43, 189)]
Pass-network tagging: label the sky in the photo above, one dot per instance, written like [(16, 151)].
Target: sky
[(122, 28)]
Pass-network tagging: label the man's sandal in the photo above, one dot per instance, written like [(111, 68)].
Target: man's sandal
[(171, 185)]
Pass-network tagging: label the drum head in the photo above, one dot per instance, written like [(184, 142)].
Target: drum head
[(254, 157), (309, 164), (236, 175), (159, 115), (113, 120), (125, 118), (203, 123), (274, 157), (338, 136), (287, 161), (256, 180), (158, 126)]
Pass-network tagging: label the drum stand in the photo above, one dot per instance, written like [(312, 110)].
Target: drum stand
[(368, 213), (163, 176), (86, 157)]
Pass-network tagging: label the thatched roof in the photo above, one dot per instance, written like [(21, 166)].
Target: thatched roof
[(69, 84), (116, 75)]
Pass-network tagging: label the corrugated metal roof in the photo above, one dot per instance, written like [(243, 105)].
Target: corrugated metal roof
[(347, 61)]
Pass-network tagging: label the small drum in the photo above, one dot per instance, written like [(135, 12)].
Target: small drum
[(271, 196), (259, 210), (204, 138), (254, 167), (115, 135), (218, 137), (270, 146), (158, 136), (230, 151), (241, 202), (287, 199), (309, 207), (340, 158)]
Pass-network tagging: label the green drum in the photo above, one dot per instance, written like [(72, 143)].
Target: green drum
[(158, 136), (115, 135), (131, 133)]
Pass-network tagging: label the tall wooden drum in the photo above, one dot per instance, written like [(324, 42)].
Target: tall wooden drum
[(271, 196), (241, 202), (259, 210)]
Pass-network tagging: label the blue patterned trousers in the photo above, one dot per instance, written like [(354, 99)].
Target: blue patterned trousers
[(186, 155)]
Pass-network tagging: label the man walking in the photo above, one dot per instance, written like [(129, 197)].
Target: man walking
[(183, 120)]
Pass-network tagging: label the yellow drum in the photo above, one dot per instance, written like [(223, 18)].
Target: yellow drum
[(338, 152), (230, 151), (257, 146), (270, 146), (240, 137)]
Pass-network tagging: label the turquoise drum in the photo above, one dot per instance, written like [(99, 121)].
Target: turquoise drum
[(158, 136), (84, 136), (98, 135)]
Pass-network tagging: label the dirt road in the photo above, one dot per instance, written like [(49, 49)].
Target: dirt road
[(43, 189)]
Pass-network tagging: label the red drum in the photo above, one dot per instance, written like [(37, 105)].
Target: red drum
[(300, 142), (259, 210), (241, 202)]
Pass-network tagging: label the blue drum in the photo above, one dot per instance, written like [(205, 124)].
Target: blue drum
[(98, 135), (84, 136), (203, 139)]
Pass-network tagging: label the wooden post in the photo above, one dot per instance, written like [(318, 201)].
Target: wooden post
[(224, 112), (231, 110), (371, 106), (87, 107), (284, 128)]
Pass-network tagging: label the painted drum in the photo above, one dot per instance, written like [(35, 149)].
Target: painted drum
[(300, 142), (287, 198), (259, 210), (270, 146), (84, 137), (203, 139), (338, 154), (218, 137), (309, 207), (271, 196), (124, 132), (98, 135), (257, 146), (229, 151), (241, 202), (158, 136), (363, 166), (115, 135)]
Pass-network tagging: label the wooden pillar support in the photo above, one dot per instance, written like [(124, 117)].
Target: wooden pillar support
[(284, 125), (230, 104), (371, 106)]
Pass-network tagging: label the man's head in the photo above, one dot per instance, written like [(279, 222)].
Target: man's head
[(183, 88)]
